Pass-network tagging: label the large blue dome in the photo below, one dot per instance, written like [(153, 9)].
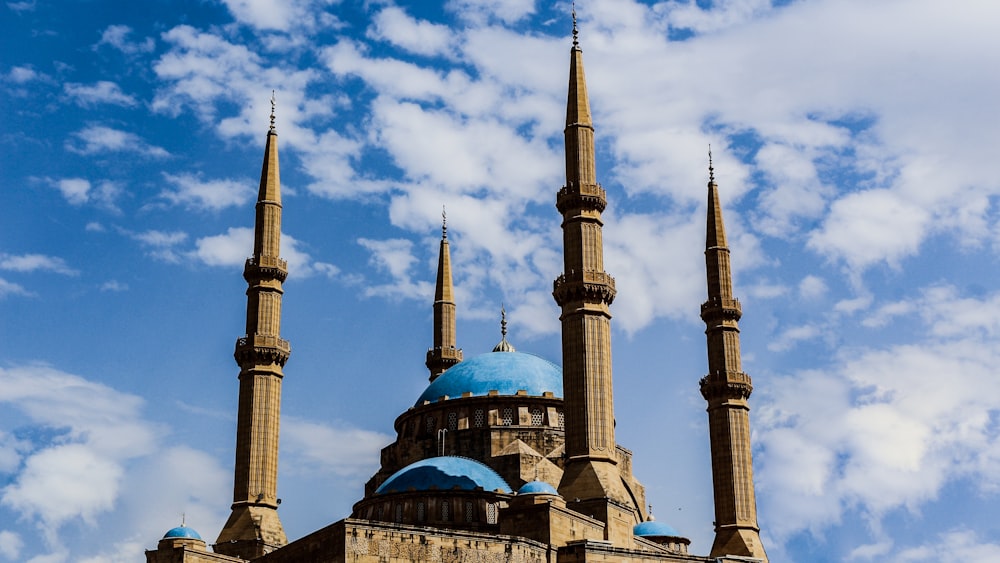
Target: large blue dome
[(503, 372), (444, 473)]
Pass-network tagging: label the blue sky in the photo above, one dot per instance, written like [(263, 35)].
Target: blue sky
[(855, 147)]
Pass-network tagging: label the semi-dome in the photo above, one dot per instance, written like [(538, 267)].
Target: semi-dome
[(652, 528), (444, 473), (537, 488), (503, 372), (182, 532)]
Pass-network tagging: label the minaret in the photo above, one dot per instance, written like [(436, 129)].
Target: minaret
[(591, 482), (727, 388), (254, 528), (444, 354)]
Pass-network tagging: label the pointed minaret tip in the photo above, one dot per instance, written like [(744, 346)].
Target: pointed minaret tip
[(711, 170), (444, 223)]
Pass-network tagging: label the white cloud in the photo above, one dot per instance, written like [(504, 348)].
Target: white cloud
[(79, 191), (11, 288), (878, 430), (77, 475), (10, 545), (283, 15), (161, 244), (95, 139), (481, 11), (395, 257), (229, 249), (101, 92), (213, 195), (24, 6), (790, 337), (117, 36), (114, 285), (953, 546), (35, 263), (324, 449), (812, 287), (422, 37)]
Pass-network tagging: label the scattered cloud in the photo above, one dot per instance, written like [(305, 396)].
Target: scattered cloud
[(283, 15), (101, 92), (212, 195), (11, 288), (80, 191), (19, 7), (36, 263), (338, 449), (95, 139), (117, 36), (394, 25), (10, 545), (114, 285)]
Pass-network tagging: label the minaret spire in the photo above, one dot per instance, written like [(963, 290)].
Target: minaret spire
[(727, 388), (444, 354), (254, 528), (592, 480), (503, 346)]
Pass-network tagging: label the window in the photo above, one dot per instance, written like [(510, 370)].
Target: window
[(508, 417), (421, 512), (452, 421), (399, 513), (562, 419), (468, 511), (479, 418), (446, 511), (491, 513), (536, 416), (430, 424)]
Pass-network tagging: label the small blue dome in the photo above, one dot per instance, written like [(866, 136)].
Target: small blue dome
[(537, 488), (182, 532), (444, 473), (503, 372), (654, 528)]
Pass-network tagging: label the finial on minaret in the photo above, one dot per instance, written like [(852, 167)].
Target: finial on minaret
[(503, 346), (503, 322), (444, 223), (711, 171), (576, 33), (272, 110)]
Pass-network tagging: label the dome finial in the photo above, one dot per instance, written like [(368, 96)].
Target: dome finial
[(650, 518), (576, 33), (272, 110), (444, 223), (711, 171), (503, 346)]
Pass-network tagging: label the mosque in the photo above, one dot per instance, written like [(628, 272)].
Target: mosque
[(505, 457)]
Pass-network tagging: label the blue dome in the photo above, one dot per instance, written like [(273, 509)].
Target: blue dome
[(537, 488), (504, 372), (654, 528), (182, 532), (444, 473)]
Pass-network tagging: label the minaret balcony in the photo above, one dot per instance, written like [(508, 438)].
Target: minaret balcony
[(581, 196), (726, 385), (265, 267), (588, 285), (716, 308), (262, 348)]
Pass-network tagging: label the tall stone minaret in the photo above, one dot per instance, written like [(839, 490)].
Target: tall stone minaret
[(444, 354), (591, 482), (727, 388), (254, 528)]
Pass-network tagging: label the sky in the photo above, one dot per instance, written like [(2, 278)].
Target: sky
[(854, 143)]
